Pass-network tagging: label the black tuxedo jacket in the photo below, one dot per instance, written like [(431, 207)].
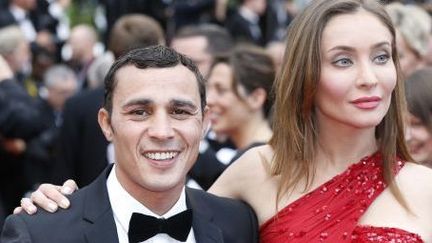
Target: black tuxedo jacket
[(240, 29), (90, 219)]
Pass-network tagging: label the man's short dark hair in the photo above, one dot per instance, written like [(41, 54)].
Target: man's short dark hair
[(151, 57)]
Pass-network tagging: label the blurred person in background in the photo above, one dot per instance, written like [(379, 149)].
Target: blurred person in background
[(201, 43), (19, 122), (278, 17), (239, 97), (98, 69), (18, 13), (81, 45), (418, 88), (36, 16), (276, 50), (245, 25), (60, 83), (15, 49), (414, 27)]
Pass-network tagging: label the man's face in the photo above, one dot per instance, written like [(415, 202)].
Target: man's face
[(156, 125), (195, 48), (61, 91)]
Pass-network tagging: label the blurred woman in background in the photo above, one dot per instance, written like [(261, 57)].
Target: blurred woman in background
[(239, 87), (419, 130)]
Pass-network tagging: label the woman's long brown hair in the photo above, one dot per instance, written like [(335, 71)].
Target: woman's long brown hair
[(295, 130)]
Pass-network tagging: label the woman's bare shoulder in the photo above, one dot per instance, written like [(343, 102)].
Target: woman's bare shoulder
[(253, 166), (414, 170), (416, 178)]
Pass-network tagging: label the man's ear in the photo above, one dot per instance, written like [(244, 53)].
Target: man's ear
[(257, 98), (104, 120), (206, 122)]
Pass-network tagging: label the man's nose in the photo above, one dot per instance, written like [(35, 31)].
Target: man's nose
[(161, 127)]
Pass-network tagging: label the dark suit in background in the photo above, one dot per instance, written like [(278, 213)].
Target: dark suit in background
[(19, 118), (90, 219), (82, 146)]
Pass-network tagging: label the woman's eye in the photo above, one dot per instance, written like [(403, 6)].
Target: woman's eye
[(343, 62), (382, 58)]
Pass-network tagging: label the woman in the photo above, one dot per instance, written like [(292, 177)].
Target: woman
[(337, 120), (419, 98), (336, 168), (238, 96)]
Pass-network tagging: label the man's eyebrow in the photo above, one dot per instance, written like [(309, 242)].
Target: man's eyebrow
[(183, 103), (143, 102)]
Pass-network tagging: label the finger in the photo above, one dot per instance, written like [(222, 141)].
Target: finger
[(54, 194), (28, 206), (17, 210), (68, 187), (43, 200)]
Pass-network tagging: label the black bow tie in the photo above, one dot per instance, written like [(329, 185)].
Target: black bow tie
[(143, 227)]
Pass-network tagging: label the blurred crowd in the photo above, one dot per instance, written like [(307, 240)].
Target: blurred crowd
[(52, 68)]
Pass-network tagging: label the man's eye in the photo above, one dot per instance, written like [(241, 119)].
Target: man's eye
[(138, 112), (180, 112)]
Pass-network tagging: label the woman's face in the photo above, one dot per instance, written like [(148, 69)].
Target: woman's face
[(419, 140), (227, 111), (357, 72)]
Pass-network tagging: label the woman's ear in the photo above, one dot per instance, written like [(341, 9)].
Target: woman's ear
[(104, 120), (257, 98)]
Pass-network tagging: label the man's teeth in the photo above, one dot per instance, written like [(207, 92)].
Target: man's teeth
[(160, 156)]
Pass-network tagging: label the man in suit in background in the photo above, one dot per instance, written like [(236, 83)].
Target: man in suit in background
[(155, 116)]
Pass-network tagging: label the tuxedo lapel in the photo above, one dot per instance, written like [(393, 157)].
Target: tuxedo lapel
[(204, 229), (98, 213)]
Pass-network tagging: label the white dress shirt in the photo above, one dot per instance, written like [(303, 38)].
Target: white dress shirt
[(24, 22), (123, 205)]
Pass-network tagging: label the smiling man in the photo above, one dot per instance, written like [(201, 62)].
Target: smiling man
[(155, 115)]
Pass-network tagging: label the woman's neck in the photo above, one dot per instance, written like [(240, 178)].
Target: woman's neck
[(343, 145), (257, 130)]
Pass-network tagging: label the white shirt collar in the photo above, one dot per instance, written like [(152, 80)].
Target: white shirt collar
[(123, 209), (17, 12), (249, 14)]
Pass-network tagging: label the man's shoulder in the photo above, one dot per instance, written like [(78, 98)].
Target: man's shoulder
[(65, 225), (54, 219), (217, 202)]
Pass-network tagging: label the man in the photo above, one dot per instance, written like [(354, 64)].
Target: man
[(82, 147), (155, 116), (82, 41)]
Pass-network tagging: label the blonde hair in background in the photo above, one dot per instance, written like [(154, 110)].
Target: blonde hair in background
[(10, 38), (414, 23)]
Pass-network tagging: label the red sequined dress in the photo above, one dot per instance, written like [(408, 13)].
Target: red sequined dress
[(330, 213)]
